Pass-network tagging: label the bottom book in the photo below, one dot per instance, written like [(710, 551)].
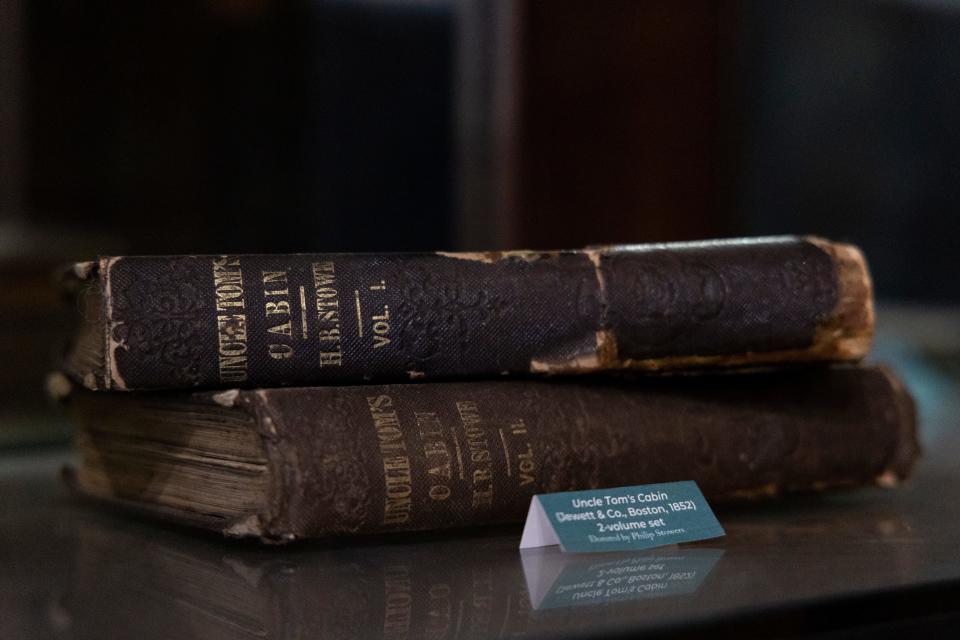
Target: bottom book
[(283, 464)]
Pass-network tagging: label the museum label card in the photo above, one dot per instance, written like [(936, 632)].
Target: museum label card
[(620, 519)]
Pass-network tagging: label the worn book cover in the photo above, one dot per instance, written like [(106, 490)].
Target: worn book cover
[(282, 464), (252, 321)]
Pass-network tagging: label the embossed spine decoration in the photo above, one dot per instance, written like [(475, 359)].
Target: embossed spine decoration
[(345, 460), (286, 320)]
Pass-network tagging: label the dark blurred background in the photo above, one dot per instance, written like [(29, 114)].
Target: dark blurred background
[(261, 125)]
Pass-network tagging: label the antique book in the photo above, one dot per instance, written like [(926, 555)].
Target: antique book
[(287, 463), (252, 321)]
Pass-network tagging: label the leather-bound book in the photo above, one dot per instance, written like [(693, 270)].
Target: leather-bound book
[(251, 321), (288, 463)]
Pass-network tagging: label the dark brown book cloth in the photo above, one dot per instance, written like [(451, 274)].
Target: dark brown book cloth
[(284, 320), (331, 461)]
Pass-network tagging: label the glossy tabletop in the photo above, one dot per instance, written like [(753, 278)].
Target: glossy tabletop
[(811, 564)]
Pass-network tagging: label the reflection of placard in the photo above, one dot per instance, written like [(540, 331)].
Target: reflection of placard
[(556, 579), (620, 519)]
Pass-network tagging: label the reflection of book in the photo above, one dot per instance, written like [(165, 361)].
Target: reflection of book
[(278, 320), (282, 464), (134, 581)]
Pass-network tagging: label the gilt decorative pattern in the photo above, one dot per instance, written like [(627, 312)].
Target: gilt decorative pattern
[(159, 314)]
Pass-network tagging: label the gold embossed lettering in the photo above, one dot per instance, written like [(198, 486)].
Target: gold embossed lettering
[(276, 308), (397, 476), (331, 358), (437, 454), (275, 286), (526, 466), (231, 327), (285, 329), (479, 450), (280, 351), (328, 313)]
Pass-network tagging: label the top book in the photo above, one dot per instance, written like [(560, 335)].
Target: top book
[(153, 322)]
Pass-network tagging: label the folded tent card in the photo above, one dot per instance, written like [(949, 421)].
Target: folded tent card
[(620, 519)]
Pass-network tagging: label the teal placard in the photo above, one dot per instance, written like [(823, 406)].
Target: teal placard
[(621, 518)]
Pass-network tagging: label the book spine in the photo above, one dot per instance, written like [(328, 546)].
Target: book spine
[(376, 459), (279, 320)]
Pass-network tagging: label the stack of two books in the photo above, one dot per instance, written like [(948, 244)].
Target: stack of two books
[(300, 396)]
